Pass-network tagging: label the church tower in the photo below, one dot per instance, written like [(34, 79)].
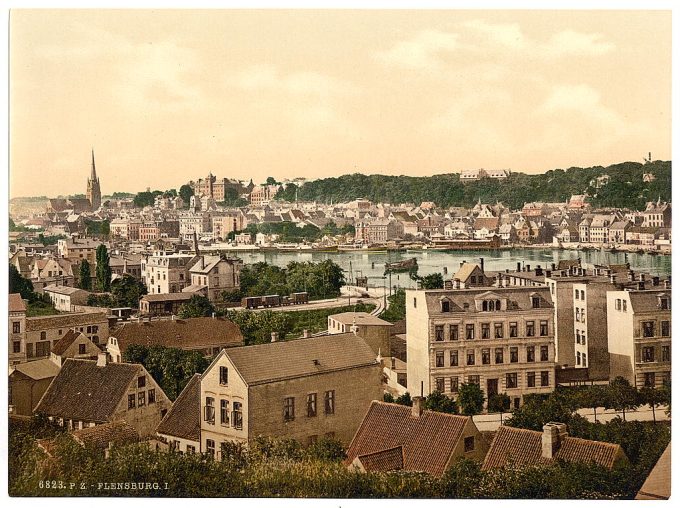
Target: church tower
[(94, 194)]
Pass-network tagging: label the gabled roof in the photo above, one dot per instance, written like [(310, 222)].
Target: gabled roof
[(360, 318), (100, 436), (648, 301), (427, 441), (189, 333), (464, 272), (16, 304), (64, 320), (63, 290), (391, 459), (65, 342), (263, 363), (184, 418), (523, 446), (38, 369), (84, 391)]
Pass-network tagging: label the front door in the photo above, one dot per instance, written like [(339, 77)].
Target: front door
[(491, 387)]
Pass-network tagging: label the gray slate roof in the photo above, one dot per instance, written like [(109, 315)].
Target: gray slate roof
[(184, 419)]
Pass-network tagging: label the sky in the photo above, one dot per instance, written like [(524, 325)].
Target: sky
[(168, 96)]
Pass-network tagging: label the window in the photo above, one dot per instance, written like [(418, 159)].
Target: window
[(311, 404), (648, 328), (209, 410), (453, 358), (513, 329), (535, 302), (514, 355), (578, 336), (583, 295), (486, 331), (499, 355), (531, 330), (583, 315), (498, 330), (16, 327), (29, 350), (237, 415), (210, 447), (531, 379), (446, 306), (439, 332), (42, 349), (454, 384), (578, 358), (650, 379), (511, 380), (469, 443), (647, 354), (624, 305), (665, 328), (81, 349), (439, 358), (16, 346), (545, 378), (224, 376), (439, 384), (665, 353), (89, 329), (141, 399), (43, 335), (531, 354), (131, 401), (544, 353), (289, 408), (474, 380), (544, 329), (329, 402), (152, 396), (224, 412), (486, 356), (617, 304), (663, 303), (470, 331), (453, 332), (576, 294), (578, 315), (141, 381), (414, 303), (471, 357), (95, 328)]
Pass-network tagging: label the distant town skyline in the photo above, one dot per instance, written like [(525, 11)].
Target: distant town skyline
[(168, 96)]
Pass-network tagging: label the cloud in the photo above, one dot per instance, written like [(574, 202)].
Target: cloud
[(422, 51), (570, 43), (505, 34)]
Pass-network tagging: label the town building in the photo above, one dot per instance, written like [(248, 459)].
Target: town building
[(65, 298), (375, 331), (657, 215), (393, 437), (378, 231), (203, 334), (228, 222), (77, 249), (27, 383), (166, 304), (211, 275), (181, 427), (166, 273), (639, 332), (500, 338), (17, 329), (302, 389), (87, 393), (519, 447)]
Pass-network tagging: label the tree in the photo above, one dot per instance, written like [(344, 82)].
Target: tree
[(470, 399), (20, 284), (197, 306), (404, 400), (437, 401), (103, 270), (185, 192), (396, 310), (432, 281), (621, 396), (271, 181), (85, 277), (592, 396), (127, 291), (387, 397), (146, 198), (499, 403), (653, 397)]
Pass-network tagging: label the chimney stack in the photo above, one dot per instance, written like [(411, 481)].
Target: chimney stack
[(548, 273), (102, 359), (655, 281), (631, 275), (641, 285), (519, 266), (612, 278), (275, 336), (481, 264), (528, 268), (553, 266), (417, 408), (553, 435), (539, 271)]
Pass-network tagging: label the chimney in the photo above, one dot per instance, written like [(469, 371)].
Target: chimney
[(275, 336), (481, 264), (655, 281), (631, 275), (462, 263), (519, 266), (417, 408), (667, 283), (102, 359), (612, 278), (456, 283), (539, 271), (213, 315), (641, 285), (528, 268), (553, 435), (305, 334), (548, 273), (553, 266), (642, 277)]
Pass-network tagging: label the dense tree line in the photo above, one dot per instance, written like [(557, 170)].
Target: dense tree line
[(37, 304), (289, 232), (125, 291), (624, 190)]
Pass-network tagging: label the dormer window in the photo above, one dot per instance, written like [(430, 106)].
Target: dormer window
[(535, 302), (664, 303), (446, 306)]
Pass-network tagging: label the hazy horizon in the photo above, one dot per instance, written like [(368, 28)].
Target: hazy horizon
[(168, 96)]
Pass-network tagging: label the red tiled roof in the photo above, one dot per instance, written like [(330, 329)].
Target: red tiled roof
[(16, 304), (427, 441), (391, 459), (184, 418), (523, 446), (100, 436)]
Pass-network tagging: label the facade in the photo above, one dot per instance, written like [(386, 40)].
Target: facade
[(228, 222), (27, 383), (17, 329), (164, 274), (501, 339), (378, 231), (163, 304), (64, 297), (302, 389), (392, 437), (77, 249), (87, 393), (639, 332), (375, 331), (212, 275)]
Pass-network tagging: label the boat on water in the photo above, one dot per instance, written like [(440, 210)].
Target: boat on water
[(402, 266), (354, 247)]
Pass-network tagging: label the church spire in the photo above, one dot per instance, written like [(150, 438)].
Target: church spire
[(93, 175)]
